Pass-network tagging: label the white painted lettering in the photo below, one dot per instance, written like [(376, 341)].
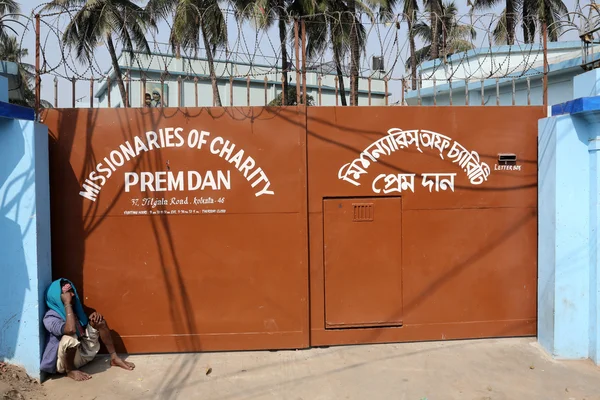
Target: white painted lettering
[(209, 180), (161, 178), (227, 150), (139, 146), (152, 140), (247, 166), (192, 139), (265, 190), (161, 136), (127, 151), (180, 141), (202, 140), (237, 159), (146, 180), (213, 149), (224, 181), (89, 192), (191, 176), (261, 178), (175, 183), (131, 178), (117, 158), (169, 137), (163, 181)]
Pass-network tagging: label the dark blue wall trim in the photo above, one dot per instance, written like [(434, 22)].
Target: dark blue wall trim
[(577, 106), (12, 111)]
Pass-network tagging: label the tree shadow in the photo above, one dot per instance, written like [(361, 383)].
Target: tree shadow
[(74, 221), (15, 225)]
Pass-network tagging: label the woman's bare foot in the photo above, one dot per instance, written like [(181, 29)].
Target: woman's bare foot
[(119, 362), (78, 375)]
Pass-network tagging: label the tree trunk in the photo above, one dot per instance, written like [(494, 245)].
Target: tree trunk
[(340, 75), (117, 68), (510, 22), (435, 38), (528, 24), (283, 40), (413, 58), (354, 51), (211, 67)]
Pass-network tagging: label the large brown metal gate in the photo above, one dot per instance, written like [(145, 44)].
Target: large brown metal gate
[(192, 229)]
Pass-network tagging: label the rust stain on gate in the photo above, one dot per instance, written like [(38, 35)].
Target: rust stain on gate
[(264, 228)]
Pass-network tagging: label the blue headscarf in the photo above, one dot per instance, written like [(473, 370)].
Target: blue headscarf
[(55, 303)]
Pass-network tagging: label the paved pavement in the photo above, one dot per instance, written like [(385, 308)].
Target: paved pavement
[(510, 369)]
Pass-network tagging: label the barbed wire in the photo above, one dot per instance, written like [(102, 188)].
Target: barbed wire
[(447, 46)]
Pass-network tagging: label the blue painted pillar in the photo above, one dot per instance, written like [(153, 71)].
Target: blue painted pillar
[(568, 201), (25, 269)]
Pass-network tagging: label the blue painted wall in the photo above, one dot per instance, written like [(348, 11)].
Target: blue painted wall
[(24, 237), (568, 196), (3, 89)]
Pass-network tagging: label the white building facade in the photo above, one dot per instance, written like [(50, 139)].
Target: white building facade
[(182, 78), (459, 81)]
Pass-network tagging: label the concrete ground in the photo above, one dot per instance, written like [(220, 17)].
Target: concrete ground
[(477, 369)]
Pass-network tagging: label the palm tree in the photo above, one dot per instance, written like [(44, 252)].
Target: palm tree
[(505, 28), (332, 26), (265, 13), (97, 21), (551, 12), (435, 8), (338, 23), (355, 45), (357, 33), (7, 7), (409, 12), (192, 19), (533, 13), (11, 51), (452, 37)]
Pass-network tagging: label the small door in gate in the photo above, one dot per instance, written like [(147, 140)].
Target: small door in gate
[(363, 262)]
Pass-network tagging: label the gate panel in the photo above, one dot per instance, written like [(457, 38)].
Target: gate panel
[(469, 249), (363, 259), (196, 243)]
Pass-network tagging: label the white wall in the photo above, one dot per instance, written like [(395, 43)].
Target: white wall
[(187, 68), (497, 62), (560, 89)]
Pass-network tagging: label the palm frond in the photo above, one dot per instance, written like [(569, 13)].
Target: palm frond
[(423, 31), (213, 21), (484, 4), (161, 9), (9, 7), (421, 55)]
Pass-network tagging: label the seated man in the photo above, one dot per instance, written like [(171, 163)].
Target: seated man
[(73, 339)]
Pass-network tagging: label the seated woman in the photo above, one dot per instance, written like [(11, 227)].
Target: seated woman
[(73, 338)]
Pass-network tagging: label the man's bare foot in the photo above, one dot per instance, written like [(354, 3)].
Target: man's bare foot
[(119, 362), (78, 375)]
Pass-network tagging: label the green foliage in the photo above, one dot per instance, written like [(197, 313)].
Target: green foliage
[(7, 7), (458, 38), (290, 98), (531, 13), (11, 51)]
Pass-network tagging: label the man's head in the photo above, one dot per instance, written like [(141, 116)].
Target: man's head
[(147, 98), (155, 95)]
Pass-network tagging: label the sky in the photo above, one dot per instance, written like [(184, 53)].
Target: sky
[(244, 43)]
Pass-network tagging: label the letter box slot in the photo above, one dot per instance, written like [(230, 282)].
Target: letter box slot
[(507, 159)]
